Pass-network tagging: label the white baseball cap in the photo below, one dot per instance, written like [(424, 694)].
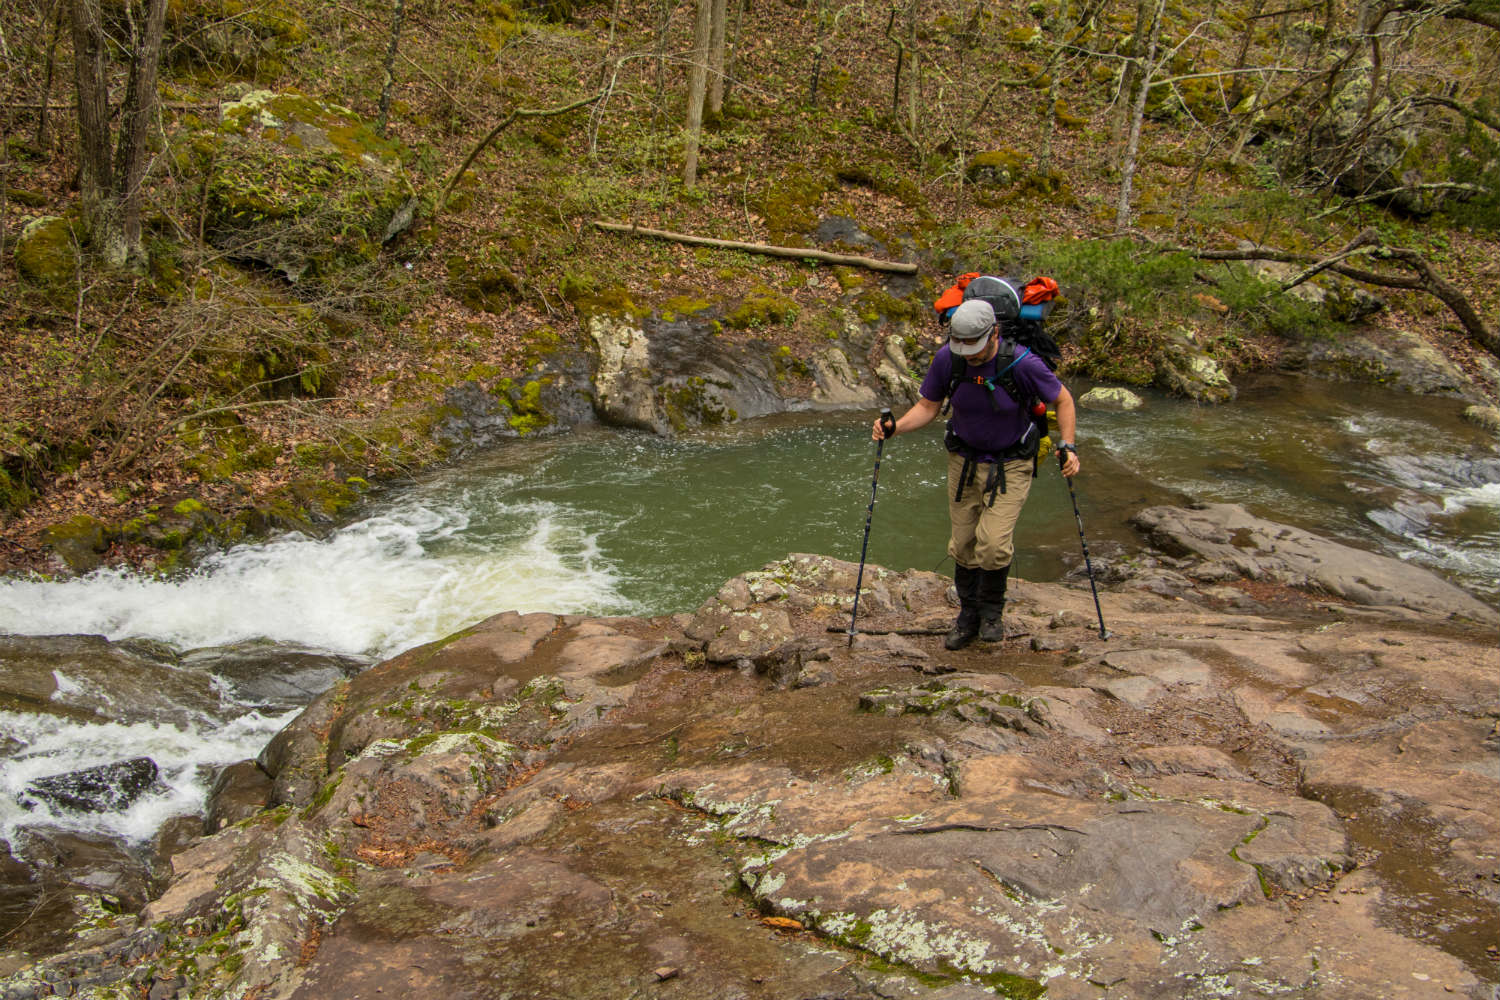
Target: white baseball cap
[(970, 327)]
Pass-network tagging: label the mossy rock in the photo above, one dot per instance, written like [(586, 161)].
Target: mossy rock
[(881, 174), (280, 368), (1066, 118), (682, 307), (527, 415), (187, 522), (27, 199), (1487, 417), (693, 401), (324, 500), (996, 167), (763, 307), (301, 187), (47, 253), (15, 494), (590, 299), (878, 306), (1185, 369), (80, 542), (787, 365)]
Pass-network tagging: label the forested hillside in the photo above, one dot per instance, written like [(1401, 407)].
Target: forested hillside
[(248, 247)]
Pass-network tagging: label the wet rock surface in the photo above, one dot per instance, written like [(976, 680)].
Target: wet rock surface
[(1301, 799), (1229, 536), (106, 788), (1393, 357), (86, 677), (273, 676)]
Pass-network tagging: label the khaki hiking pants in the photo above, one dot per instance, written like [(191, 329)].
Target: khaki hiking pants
[(984, 536)]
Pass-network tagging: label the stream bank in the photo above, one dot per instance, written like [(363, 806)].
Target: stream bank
[(671, 374)]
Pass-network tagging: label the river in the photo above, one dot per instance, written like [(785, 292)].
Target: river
[(608, 522)]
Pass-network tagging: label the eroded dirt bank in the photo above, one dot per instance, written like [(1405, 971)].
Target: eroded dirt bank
[(1242, 791)]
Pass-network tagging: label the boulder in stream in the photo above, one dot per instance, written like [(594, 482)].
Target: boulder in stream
[(273, 676), (1229, 535), (89, 678), (105, 788)]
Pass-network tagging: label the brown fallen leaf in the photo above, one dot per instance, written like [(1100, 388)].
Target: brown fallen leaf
[(782, 923)]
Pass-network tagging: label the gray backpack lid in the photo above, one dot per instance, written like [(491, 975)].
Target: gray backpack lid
[(999, 293)]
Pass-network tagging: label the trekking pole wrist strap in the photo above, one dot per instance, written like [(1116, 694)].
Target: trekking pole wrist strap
[(1066, 446)]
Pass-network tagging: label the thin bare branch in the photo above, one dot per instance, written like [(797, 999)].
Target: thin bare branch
[(494, 134)]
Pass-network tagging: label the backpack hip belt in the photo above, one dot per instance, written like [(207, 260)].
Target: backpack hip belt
[(1028, 447)]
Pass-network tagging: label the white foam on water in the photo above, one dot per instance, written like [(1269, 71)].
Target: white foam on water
[(375, 588), (1468, 498), (185, 757), (1474, 562)]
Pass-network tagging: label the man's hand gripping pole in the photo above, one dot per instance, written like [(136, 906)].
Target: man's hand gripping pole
[(888, 426)]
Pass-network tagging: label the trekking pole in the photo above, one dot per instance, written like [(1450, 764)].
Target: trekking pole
[(887, 424), (1061, 458)]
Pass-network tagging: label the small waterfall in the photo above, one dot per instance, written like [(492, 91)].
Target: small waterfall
[(420, 570), (375, 588)]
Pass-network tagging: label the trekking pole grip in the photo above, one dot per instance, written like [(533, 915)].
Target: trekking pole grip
[(888, 423)]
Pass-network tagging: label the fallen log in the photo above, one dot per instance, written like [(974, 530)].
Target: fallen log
[(795, 253)]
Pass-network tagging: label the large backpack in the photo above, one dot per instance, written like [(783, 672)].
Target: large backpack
[(1019, 309)]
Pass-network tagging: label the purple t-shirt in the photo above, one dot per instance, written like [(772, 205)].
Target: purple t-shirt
[(975, 418)]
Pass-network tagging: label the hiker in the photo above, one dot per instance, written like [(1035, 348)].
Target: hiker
[(992, 440)]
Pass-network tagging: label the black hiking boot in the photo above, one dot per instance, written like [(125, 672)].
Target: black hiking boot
[(966, 625), (992, 604)]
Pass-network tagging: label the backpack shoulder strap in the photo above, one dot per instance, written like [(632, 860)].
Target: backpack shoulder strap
[(1012, 352), (956, 375)]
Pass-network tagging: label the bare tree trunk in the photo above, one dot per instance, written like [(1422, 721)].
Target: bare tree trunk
[(136, 119), (1137, 118), (1237, 82), (389, 70), (96, 178), (660, 104), (44, 119), (914, 80), (111, 190), (718, 30), (890, 32), (697, 91), (95, 172), (732, 46), (1129, 80), (817, 62), (5, 180), (1044, 157), (1424, 277), (794, 253), (605, 84)]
